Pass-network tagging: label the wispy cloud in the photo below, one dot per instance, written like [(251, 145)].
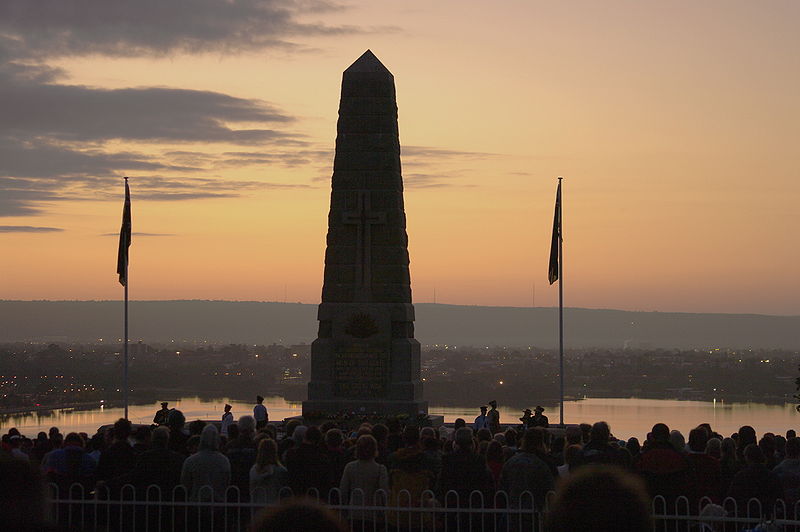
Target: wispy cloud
[(28, 229)]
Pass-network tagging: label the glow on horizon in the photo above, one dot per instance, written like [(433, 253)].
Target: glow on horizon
[(674, 125)]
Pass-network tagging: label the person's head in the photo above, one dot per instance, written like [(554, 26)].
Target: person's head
[(196, 427), (73, 439), (267, 454), (493, 404), (713, 447), (533, 440), (463, 439), (511, 437), (677, 440), (660, 433), (585, 430), (209, 439), (538, 410), (176, 420), (600, 432), (753, 454), (380, 432), (791, 434), (698, 439), (458, 423), (228, 408), (767, 444), (573, 435), (633, 446), (793, 448), (142, 434), (334, 438), (259, 399), (494, 452), (728, 449), (600, 499), (299, 434), (313, 436), (484, 434), (247, 426), (499, 437), (159, 438), (411, 436), (53, 431), (290, 426), (297, 515), (747, 435), (572, 454), (122, 429), (164, 406), (366, 447), (427, 433), (483, 410)]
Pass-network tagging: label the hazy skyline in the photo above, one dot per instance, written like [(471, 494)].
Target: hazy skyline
[(675, 126)]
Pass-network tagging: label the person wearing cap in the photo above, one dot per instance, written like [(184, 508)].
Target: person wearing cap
[(260, 413), (481, 422), (538, 419), (161, 415), (494, 417), (227, 419)]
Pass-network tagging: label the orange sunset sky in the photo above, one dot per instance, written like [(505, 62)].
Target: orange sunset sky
[(675, 125)]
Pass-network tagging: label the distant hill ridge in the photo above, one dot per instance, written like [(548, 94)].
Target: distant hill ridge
[(255, 322)]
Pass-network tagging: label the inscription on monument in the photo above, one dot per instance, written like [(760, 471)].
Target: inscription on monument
[(361, 371)]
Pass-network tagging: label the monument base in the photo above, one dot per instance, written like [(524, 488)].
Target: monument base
[(379, 407)]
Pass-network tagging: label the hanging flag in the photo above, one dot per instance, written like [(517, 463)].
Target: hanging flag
[(124, 238), (552, 273)]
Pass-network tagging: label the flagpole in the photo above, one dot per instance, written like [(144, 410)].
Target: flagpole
[(561, 303), (125, 347)]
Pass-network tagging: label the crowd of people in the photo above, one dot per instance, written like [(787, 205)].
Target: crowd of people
[(485, 465)]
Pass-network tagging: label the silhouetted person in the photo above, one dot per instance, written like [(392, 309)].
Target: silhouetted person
[(705, 479), (227, 421), (207, 473), (600, 498), (599, 450), (162, 415), (494, 417), (241, 453), (260, 413), (482, 421), (665, 470), (527, 472), (158, 466), (526, 418), (464, 471), (362, 481), (788, 472), (755, 481), (70, 464), (298, 515), (118, 459), (308, 466), (267, 476), (177, 438)]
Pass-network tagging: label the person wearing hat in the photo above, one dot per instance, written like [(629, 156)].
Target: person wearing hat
[(526, 418), (539, 419), (481, 422), (227, 419), (161, 415), (494, 417)]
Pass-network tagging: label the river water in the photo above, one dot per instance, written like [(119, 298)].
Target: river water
[(627, 416)]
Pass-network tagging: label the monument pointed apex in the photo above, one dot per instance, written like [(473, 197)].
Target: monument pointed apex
[(367, 63)]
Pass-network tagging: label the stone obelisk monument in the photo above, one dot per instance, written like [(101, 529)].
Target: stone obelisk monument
[(365, 358)]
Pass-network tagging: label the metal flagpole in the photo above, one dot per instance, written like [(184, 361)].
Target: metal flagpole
[(561, 300), (125, 348)]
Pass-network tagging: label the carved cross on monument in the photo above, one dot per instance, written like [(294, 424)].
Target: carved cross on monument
[(363, 218)]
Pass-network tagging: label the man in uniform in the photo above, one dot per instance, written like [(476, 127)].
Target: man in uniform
[(260, 413), (481, 422), (494, 417), (161, 415)]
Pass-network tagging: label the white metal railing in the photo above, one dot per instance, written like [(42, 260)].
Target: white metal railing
[(148, 509)]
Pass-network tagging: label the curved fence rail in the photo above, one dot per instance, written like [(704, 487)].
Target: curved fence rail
[(150, 508)]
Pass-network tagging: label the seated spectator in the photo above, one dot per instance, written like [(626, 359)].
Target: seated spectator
[(600, 499), (268, 477)]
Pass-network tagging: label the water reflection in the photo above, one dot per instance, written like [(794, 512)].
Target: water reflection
[(627, 416)]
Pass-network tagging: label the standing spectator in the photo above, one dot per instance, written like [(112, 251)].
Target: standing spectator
[(464, 471), (494, 461), (177, 438), (788, 472), (308, 466), (664, 469), (365, 483), (482, 421), (158, 466), (227, 420), (704, 471), (118, 459), (207, 473), (241, 453), (526, 472), (162, 415), (337, 459), (260, 413), (599, 449), (267, 476), (494, 417), (755, 481), (70, 464)]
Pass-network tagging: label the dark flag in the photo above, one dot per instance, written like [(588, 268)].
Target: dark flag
[(124, 238), (552, 272)]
